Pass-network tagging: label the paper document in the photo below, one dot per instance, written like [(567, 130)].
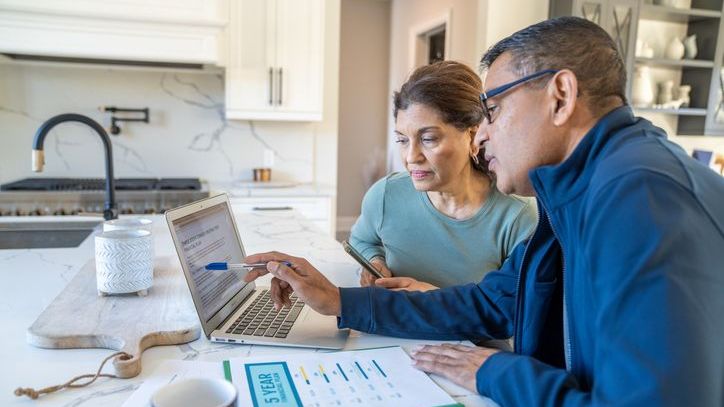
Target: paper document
[(372, 377)]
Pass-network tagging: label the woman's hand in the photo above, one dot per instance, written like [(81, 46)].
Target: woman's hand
[(367, 279), (404, 284)]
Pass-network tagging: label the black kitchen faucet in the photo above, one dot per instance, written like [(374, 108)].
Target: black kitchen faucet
[(110, 211)]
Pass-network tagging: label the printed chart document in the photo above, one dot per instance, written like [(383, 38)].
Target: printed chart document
[(371, 377)]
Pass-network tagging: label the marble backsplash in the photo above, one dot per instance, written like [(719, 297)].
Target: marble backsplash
[(188, 135)]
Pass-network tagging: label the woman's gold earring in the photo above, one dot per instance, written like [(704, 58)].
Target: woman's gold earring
[(476, 160)]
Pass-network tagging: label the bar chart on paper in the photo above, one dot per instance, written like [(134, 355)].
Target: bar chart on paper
[(374, 377)]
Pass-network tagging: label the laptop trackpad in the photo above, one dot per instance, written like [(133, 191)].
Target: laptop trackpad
[(312, 327)]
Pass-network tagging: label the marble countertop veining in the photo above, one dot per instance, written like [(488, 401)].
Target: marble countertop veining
[(32, 278)]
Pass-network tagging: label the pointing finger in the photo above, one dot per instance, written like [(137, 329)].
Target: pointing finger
[(276, 294)]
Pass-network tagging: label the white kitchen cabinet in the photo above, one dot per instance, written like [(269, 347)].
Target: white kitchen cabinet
[(176, 31), (275, 61), (316, 209)]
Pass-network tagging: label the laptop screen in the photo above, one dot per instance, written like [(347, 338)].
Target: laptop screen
[(208, 236)]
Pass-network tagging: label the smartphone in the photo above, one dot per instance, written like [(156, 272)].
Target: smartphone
[(361, 260)]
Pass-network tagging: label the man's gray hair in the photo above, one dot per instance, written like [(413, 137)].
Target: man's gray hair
[(567, 43)]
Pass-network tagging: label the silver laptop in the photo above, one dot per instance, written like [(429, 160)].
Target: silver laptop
[(231, 310)]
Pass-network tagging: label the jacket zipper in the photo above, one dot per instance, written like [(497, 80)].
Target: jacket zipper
[(566, 331), (517, 322), (519, 298)]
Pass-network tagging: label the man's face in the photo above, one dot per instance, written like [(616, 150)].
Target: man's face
[(521, 135)]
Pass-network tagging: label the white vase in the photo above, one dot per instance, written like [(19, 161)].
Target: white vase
[(675, 49), (666, 92), (643, 87), (690, 47)]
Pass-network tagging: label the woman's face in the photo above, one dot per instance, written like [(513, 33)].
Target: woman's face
[(435, 153)]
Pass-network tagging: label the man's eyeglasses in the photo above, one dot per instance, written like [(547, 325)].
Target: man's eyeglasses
[(488, 110)]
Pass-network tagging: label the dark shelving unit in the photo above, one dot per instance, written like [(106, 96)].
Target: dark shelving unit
[(620, 18)]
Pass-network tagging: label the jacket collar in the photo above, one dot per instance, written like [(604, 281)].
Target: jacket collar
[(557, 184)]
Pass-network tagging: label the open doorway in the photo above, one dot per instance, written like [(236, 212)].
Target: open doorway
[(430, 42)]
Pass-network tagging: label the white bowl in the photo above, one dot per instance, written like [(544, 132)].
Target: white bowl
[(197, 392)]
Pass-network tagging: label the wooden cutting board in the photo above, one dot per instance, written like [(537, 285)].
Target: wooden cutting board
[(79, 318)]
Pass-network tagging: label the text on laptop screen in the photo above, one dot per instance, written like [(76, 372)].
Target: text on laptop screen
[(209, 236)]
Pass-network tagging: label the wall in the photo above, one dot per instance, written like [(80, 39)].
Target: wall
[(326, 132), (407, 15), (502, 18), (363, 101), (188, 134)]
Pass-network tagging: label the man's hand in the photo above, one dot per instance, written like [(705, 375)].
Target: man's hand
[(309, 284), (459, 363), (367, 279), (404, 284)]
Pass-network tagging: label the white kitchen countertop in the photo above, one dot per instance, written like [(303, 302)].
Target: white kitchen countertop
[(32, 278), (272, 189)]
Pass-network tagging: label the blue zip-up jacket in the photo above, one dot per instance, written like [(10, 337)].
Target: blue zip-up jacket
[(616, 299)]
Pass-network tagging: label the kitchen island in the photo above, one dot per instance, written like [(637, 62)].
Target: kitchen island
[(32, 278)]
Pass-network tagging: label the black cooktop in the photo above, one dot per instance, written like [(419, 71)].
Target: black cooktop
[(99, 184)]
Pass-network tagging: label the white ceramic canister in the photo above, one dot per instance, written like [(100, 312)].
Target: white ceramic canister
[(128, 224), (124, 261)]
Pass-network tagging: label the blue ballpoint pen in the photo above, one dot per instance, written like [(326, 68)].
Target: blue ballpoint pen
[(223, 266)]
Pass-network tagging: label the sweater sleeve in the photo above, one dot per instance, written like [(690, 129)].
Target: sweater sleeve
[(654, 280), (365, 234), (472, 311)]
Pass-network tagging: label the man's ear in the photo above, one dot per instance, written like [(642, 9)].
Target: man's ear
[(563, 88)]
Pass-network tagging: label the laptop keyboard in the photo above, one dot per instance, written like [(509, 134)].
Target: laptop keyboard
[(261, 319)]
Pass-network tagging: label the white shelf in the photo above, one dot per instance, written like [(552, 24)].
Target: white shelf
[(684, 63), (676, 15), (687, 111)]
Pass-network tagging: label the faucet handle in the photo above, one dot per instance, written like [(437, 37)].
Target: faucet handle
[(38, 160)]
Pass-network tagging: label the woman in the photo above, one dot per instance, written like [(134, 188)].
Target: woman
[(442, 222)]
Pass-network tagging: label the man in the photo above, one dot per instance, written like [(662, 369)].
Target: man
[(618, 296)]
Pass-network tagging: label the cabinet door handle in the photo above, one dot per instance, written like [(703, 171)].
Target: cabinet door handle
[(280, 86), (271, 86), (272, 208)]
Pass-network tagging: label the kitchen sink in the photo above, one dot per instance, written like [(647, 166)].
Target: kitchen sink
[(45, 234)]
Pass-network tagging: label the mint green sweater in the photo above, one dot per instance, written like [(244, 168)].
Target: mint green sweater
[(400, 224)]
